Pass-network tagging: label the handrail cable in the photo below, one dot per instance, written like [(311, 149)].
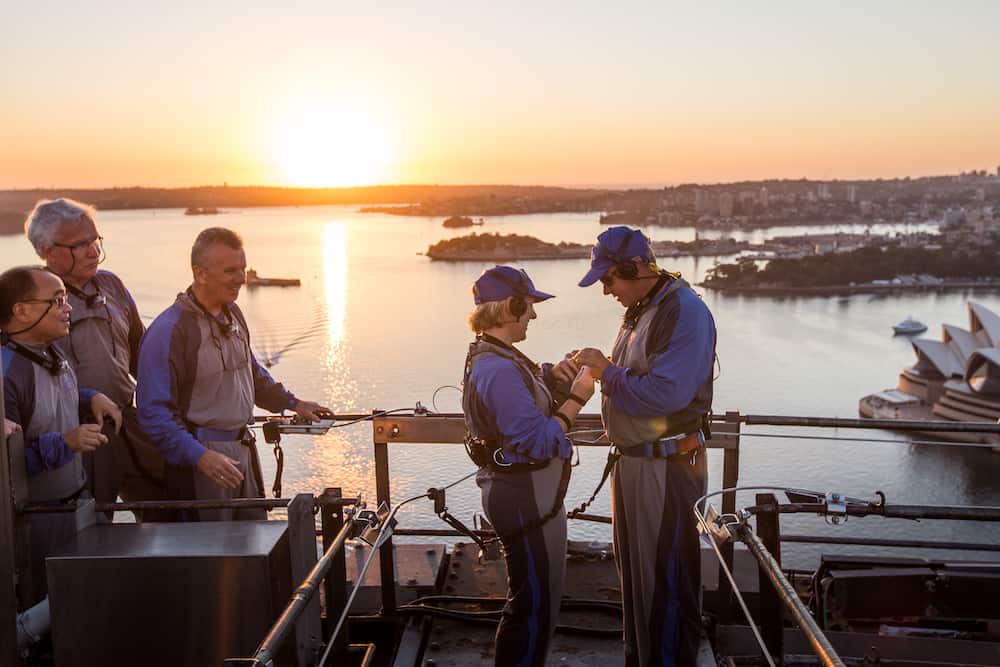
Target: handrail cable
[(840, 438), (383, 534), (732, 579)]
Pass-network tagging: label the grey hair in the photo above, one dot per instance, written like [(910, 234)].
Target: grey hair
[(487, 315), (211, 236), (48, 215)]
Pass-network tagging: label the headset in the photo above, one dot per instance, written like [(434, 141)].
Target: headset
[(626, 269), (518, 304)]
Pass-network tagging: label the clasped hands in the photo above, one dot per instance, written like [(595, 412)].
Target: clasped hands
[(589, 357)]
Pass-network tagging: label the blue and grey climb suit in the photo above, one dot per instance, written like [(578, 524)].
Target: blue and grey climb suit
[(46, 406), (198, 383), (659, 386), (506, 402), (103, 347)]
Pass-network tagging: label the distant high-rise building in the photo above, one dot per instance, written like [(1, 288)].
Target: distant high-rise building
[(726, 205), (980, 194), (823, 191), (700, 201), (764, 201), (852, 193)]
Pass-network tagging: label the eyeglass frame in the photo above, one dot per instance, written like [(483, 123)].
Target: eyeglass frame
[(60, 301), (82, 245)]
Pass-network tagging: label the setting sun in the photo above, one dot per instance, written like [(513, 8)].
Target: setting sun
[(331, 146)]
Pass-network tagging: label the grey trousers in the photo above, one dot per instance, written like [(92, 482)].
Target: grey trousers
[(536, 560), (657, 551)]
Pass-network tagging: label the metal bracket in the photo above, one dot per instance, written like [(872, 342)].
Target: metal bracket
[(836, 507), (718, 531)]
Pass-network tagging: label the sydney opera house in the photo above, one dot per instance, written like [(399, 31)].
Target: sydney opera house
[(956, 378)]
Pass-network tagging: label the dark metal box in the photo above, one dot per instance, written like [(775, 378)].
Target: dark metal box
[(167, 594)]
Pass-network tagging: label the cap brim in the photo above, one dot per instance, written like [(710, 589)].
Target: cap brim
[(597, 269), (539, 295)]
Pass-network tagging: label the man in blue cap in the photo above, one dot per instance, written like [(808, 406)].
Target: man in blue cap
[(656, 393), (517, 429)]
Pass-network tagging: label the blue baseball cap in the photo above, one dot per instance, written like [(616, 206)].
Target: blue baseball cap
[(500, 282), (616, 245)]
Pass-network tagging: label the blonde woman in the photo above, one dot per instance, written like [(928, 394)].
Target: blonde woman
[(517, 435)]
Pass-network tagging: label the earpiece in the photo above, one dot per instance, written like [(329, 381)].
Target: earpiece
[(518, 304)]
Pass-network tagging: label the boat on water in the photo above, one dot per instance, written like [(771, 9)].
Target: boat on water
[(202, 210), (909, 327), (246, 593), (253, 280)]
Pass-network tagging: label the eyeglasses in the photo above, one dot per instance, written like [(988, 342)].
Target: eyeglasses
[(82, 245), (608, 278), (55, 302)]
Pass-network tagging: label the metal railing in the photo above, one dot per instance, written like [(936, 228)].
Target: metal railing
[(302, 612)]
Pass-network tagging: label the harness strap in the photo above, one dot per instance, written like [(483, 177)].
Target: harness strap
[(613, 456), (556, 506)]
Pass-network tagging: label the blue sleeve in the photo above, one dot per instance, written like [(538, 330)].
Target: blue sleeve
[(524, 427), (269, 393), (48, 452), (684, 344), (162, 372)]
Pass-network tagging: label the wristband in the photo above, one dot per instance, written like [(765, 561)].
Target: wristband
[(564, 419), (576, 399)]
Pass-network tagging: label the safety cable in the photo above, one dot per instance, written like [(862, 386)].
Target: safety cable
[(848, 438), (383, 535), (722, 561), (374, 415), (434, 395)]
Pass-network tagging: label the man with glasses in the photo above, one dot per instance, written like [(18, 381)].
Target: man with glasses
[(656, 393), (199, 381), (103, 344), (42, 397)]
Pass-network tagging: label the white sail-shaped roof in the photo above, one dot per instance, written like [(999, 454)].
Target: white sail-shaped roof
[(984, 324), (933, 355), (988, 381), (962, 343)]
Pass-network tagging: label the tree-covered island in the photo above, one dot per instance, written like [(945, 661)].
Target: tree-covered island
[(501, 248)]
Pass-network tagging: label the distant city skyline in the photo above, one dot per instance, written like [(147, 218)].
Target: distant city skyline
[(110, 94)]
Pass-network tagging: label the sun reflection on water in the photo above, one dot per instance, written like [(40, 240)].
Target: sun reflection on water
[(335, 279)]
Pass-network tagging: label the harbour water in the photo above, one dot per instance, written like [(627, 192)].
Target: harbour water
[(388, 330)]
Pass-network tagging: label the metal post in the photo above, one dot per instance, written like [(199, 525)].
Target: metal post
[(8, 554), (302, 550), (335, 589), (730, 479), (769, 531), (786, 592), (387, 565)]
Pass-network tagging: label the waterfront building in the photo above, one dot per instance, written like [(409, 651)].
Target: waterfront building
[(852, 194), (763, 199), (956, 378)]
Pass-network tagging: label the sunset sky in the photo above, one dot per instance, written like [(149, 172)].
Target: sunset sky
[(586, 93)]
